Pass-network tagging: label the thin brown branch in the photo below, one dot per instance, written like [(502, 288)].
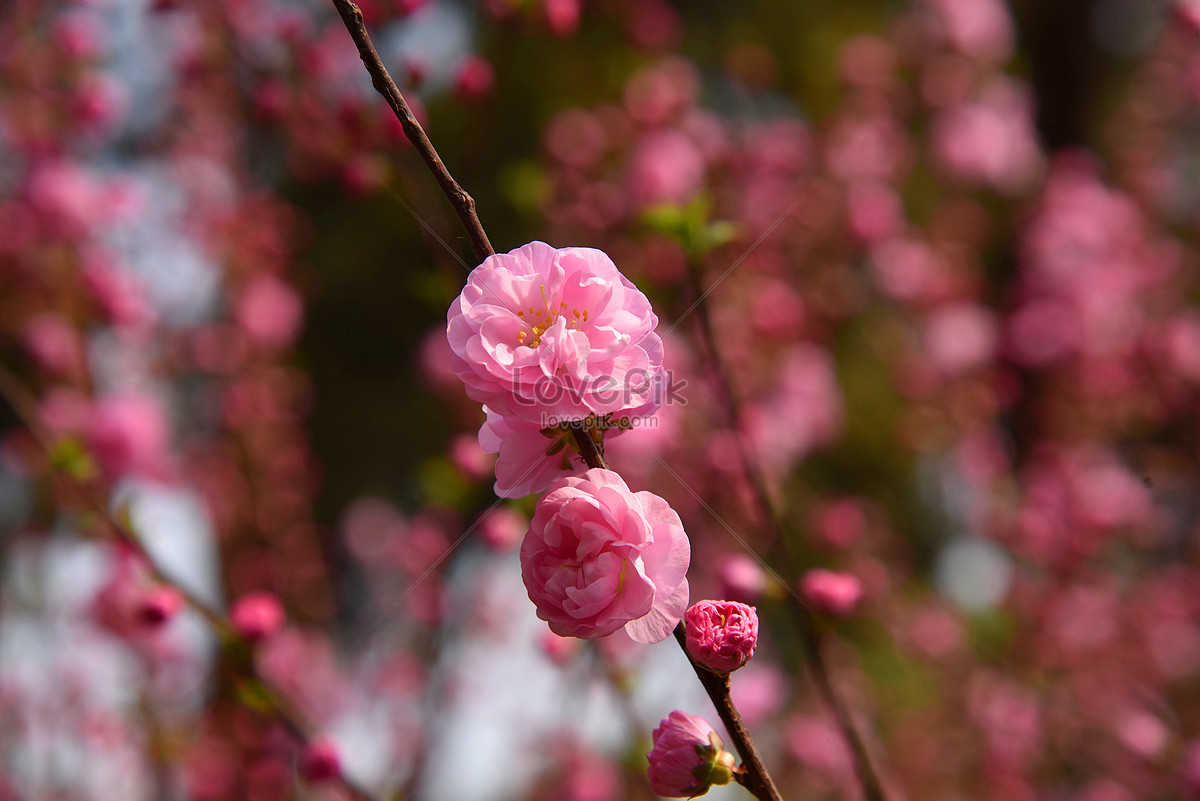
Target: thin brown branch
[(872, 787), (24, 406), (754, 776), (588, 449), (463, 203)]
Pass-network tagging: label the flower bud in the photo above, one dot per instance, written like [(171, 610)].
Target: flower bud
[(158, 605), (320, 762), (688, 757), (827, 591), (257, 615), (721, 635)]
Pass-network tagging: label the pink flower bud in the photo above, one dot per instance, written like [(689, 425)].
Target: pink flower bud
[(827, 591), (502, 528), (688, 757), (721, 634), (474, 79), (741, 577), (157, 606), (257, 615), (559, 650), (320, 761), (270, 311)]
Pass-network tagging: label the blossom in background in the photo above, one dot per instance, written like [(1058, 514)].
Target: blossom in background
[(832, 592), (540, 333), (688, 757), (721, 635), (599, 557)]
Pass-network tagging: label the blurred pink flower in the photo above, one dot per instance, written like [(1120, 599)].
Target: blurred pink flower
[(257, 615), (666, 168), (742, 577), (991, 140), (598, 558), (159, 605), (270, 311), (474, 79), (539, 333), (502, 527), (979, 28), (562, 16), (129, 433), (53, 343), (960, 336), (688, 757), (828, 591), (319, 761), (721, 635), (468, 458)]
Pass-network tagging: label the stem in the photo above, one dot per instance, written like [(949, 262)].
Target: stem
[(24, 405), (463, 203), (872, 787), (755, 779), (588, 449)]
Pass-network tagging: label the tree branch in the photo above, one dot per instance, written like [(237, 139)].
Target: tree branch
[(463, 203)]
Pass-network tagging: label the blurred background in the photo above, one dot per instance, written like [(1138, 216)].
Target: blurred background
[(926, 274)]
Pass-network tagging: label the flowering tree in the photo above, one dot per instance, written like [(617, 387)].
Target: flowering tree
[(863, 360)]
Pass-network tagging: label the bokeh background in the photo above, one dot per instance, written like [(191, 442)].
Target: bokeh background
[(949, 334)]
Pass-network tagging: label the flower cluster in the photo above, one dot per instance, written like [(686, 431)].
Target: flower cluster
[(549, 340)]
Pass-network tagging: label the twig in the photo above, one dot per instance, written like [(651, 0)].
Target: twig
[(871, 785), (23, 404), (464, 204), (755, 778)]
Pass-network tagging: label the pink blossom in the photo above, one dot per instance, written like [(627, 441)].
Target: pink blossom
[(840, 522), (502, 528), (474, 79), (129, 433), (562, 15), (118, 293), (576, 138), (991, 140), (599, 557), (540, 333), (827, 591), (663, 91), (159, 605), (980, 28), (559, 650), (721, 635), (270, 311), (53, 343), (688, 757), (960, 336), (468, 458), (666, 168), (529, 458), (257, 615), (741, 577), (320, 762)]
